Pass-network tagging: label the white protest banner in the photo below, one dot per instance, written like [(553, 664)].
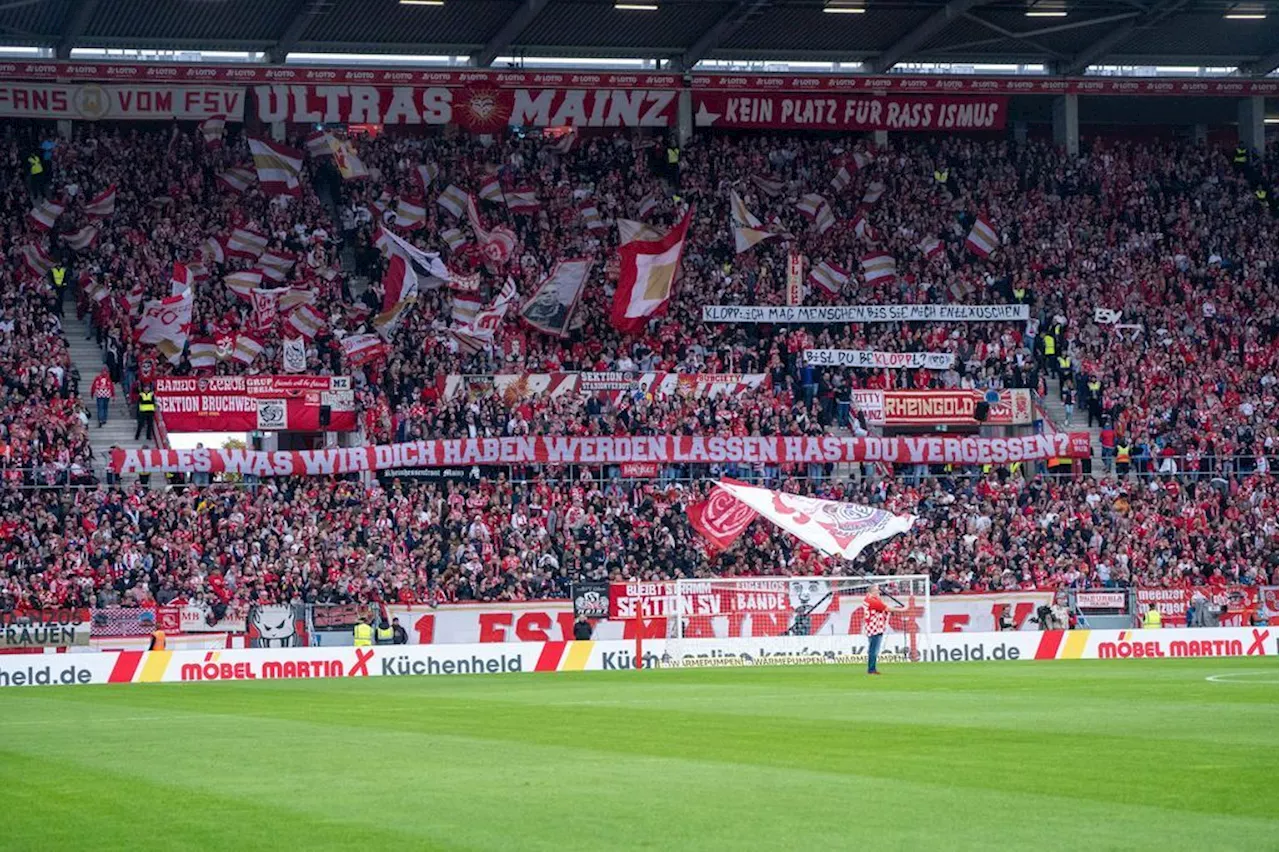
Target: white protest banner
[(842, 314), (872, 360)]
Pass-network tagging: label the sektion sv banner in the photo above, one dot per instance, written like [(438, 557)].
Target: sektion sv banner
[(932, 449)]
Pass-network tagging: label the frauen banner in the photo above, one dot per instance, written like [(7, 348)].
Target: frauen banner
[(670, 449), (842, 314), (879, 360)]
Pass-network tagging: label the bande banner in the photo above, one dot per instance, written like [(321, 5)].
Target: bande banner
[(1173, 603), (942, 84), (941, 408), (93, 102), (879, 360), (479, 107), (812, 110), (613, 385), (669, 449), (844, 314), (45, 628), (249, 403)]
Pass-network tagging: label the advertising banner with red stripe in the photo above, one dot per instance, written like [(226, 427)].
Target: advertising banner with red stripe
[(481, 107), (92, 102), (456, 452), (954, 84), (123, 667), (249, 403), (1172, 603), (825, 111)]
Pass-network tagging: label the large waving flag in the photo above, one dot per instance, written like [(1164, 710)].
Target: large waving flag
[(720, 519), (237, 179), (279, 167), (982, 239), (879, 265), (836, 529), (400, 290), (550, 308), (817, 210), (426, 264), (212, 129), (165, 324), (103, 204), (646, 275), (83, 238), (829, 276), (747, 231), (43, 216)]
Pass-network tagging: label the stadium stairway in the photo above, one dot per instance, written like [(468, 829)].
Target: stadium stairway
[(1058, 414), (87, 357)]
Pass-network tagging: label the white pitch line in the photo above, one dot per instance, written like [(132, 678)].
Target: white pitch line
[(1230, 677)]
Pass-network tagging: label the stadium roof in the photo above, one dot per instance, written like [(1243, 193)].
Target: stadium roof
[(1066, 36)]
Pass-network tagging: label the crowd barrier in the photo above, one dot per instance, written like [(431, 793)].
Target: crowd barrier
[(494, 658)]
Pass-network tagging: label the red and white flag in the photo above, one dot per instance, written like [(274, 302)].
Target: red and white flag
[(591, 219), (279, 167), (237, 179), (246, 243), (213, 250), (182, 279), (836, 529), (349, 164), (453, 238), (212, 129), (931, 247), (491, 190), (36, 260), (426, 174), (266, 309), (454, 199), (466, 304), (247, 348), (103, 204), (860, 159), (411, 213), (243, 283), (43, 216), (720, 519), (982, 239), (431, 270), (363, 348), (306, 321), (400, 291), (83, 238), (875, 189), (318, 146), (862, 227), (816, 209), (276, 264), (165, 324), (878, 266), (829, 277), (523, 201), (769, 186), (648, 205), (647, 270), (842, 177), (747, 230)]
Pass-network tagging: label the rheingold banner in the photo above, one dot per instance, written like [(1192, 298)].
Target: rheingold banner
[(821, 111), (455, 452), (93, 102), (833, 314), (871, 360)]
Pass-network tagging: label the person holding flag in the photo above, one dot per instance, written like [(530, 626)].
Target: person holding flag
[(874, 626)]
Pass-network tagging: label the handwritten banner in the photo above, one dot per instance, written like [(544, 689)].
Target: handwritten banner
[(849, 112), (841, 314), (872, 360)]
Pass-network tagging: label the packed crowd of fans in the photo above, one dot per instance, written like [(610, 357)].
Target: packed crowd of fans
[(320, 541), (1182, 380)]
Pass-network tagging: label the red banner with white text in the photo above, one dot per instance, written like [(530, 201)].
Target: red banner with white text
[(822, 111), (1173, 603), (480, 108), (261, 403), (93, 102), (455, 452)]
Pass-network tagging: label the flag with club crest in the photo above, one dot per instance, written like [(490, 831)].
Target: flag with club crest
[(293, 355), (165, 324)]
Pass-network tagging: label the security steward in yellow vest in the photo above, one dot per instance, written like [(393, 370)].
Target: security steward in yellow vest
[(363, 634), (1064, 367), (146, 413), (35, 175), (157, 640), (58, 276), (1151, 621), (384, 634), (1123, 455), (1241, 157), (1050, 348)]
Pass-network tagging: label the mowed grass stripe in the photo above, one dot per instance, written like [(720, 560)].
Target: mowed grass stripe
[(477, 792)]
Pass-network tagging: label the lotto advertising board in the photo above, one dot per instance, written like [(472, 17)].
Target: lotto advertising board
[(255, 403), (558, 656)]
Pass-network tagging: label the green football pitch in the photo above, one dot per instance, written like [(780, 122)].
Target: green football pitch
[(1179, 754)]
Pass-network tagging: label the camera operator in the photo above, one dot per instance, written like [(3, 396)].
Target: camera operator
[(1005, 622), (1051, 617)]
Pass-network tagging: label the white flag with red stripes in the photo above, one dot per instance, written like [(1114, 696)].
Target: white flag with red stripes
[(279, 167), (879, 266), (828, 276), (103, 204), (982, 239), (816, 209)]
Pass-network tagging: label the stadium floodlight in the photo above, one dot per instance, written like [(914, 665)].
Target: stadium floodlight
[(636, 7), (421, 2), (1049, 9), (762, 620)]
